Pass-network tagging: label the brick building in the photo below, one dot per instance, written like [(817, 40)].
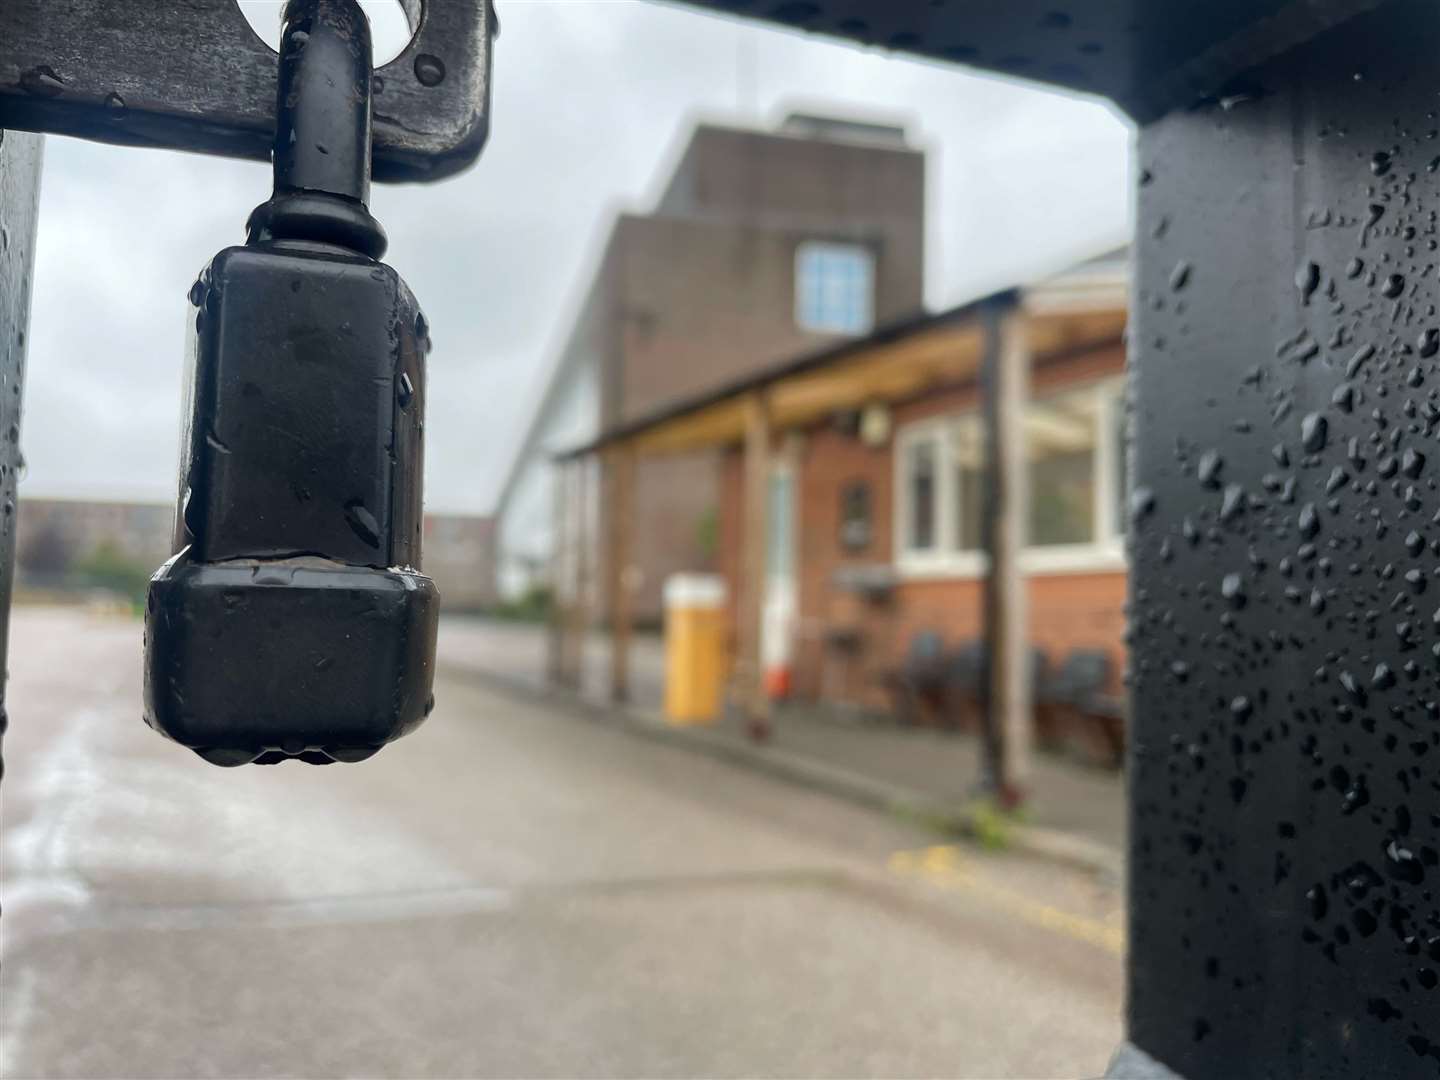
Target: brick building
[(458, 554), (871, 454), (763, 244)]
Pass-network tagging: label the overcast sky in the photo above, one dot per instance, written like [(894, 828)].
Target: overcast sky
[(592, 100)]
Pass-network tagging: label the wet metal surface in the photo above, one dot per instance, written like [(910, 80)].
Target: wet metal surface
[(191, 75), (1147, 56), (1286, 528)]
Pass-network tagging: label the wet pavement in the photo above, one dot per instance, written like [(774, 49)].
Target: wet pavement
[(511, 891), (1064, 795)]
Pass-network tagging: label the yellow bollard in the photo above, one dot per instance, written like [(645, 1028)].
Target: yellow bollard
[(694, 648)]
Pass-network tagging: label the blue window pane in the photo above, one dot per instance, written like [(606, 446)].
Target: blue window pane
[(834, 288)]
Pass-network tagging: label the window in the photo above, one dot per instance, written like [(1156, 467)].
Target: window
[(967, 463), (1060, 439), (855, 526), (920, 496), (780, 526), (941, 491), (1074, 445), (834, 288)]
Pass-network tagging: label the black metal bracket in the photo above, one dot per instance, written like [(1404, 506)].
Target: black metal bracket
[(1148, 58), (192, 75)]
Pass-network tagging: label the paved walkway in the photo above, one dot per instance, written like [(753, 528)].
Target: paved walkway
[(941, 766), (506, 892)]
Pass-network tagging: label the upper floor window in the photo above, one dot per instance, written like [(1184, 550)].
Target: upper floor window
[(834, 287)]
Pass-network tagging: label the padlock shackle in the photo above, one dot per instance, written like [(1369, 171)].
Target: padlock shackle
[(322, 131), (322, 114)]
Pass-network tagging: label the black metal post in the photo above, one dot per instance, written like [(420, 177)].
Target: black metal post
[(20, 155), (1285, 772)]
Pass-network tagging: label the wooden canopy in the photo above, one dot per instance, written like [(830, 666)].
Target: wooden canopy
[(895, 364)]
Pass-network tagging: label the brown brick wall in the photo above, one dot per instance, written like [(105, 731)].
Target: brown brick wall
[(701, 293), (705, 303), (1067, 611)]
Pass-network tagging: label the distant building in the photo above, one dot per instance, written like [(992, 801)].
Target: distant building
[(871, 499), (61, 542), (55, 538), (459, 554), (765, 244)]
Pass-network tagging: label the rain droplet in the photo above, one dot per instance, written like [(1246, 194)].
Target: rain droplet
[(1232, 588), (1365, 352), (1208, 470), (42, 81), (1352, 687), (362, 522), (429, 69), (1403, 864), (1142, 503), (1307, 280), (1313, 432), (1232, 502)]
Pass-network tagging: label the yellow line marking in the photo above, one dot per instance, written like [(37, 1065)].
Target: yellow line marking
[(944, 865)]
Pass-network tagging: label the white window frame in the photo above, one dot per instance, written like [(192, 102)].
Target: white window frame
[(943, 560), (1105, 554), (808, 248)]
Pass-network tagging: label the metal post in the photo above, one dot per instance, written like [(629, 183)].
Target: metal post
[(1285, 836), (620, 512), (1005, 705), (584, 541), (20, 156), (555, 654), (756, 500), (1011, 665)]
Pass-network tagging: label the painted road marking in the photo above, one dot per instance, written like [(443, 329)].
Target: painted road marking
[(944, 865)]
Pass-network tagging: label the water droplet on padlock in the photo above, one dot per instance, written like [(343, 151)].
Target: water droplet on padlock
[(42, 81), (362, 522), (429, 69)]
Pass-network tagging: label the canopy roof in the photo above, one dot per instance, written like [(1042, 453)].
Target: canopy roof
[(898, 362)]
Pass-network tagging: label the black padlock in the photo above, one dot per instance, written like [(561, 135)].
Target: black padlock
[(293, 622)]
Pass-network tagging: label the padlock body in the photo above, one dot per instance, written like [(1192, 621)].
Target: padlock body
[(308, 387), (250, 660), (294, 621)]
